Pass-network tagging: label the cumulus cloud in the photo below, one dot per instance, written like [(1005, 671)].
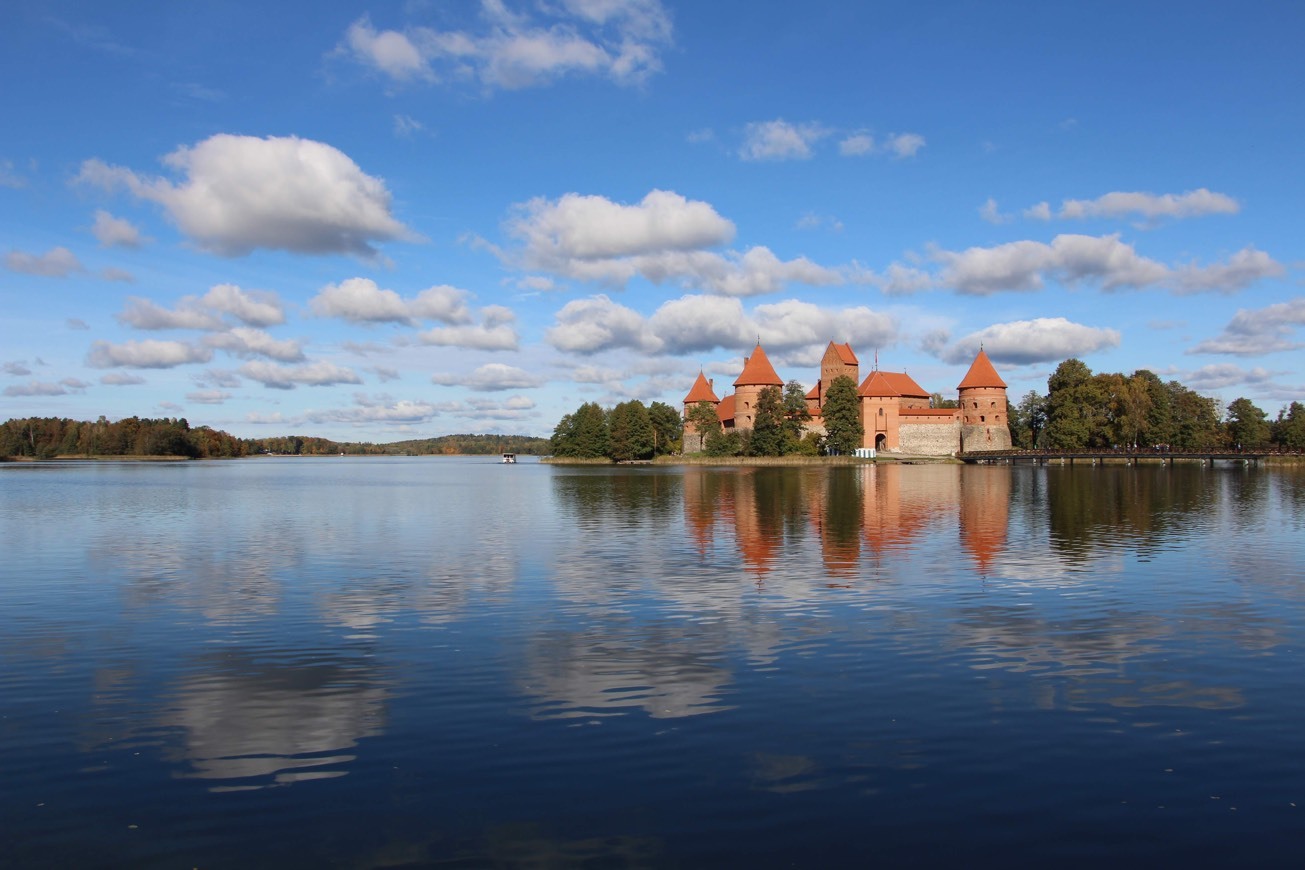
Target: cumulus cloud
[(1021, 342), (143, 314), (17, 368), (111, 231), (1243, 269), (663, 239), (697, 323), (251, 307), (111, 273), (1149, 206), (148, 354), (591, 325), (37, 388), (377, 409), (494, 332), (1258, 331), (361, 300), (223, 378), (780, 140), (492, 377), (801, 331), (1222, 375), (207, 397), (990, 213), (54, 263), (245, 342), (241, 193), (521, 49), (903, 145), (313, 374), (121, 379), (856, 145)]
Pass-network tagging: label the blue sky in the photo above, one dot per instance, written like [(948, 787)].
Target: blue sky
[(396, 220)]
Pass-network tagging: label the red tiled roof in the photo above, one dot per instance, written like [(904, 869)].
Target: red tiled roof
[(814, 392), (701, 392), (875, 384), (725, 410), (905, 385), (758, 372), (981, 374), (845, 354)]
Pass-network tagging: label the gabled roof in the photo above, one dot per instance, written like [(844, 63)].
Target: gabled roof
[(701, 392), (725, 410), (891, 384), (758, 372), (814, 392), (845, 354), (981, 374)]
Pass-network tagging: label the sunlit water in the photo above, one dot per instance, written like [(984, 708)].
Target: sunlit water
[(405, 662)]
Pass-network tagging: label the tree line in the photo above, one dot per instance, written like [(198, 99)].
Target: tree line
[(49, 437), (1086, 411), (629, 431)]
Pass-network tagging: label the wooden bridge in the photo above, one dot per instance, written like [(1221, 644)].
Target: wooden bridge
[(1123, 456)]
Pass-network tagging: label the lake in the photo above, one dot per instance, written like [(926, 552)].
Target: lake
[(389, 662)]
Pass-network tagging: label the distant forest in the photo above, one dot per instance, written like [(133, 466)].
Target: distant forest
[(51, 437)]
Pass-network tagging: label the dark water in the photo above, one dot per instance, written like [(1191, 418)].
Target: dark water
[(410, 662)]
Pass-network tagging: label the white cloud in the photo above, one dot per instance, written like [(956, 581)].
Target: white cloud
[(591, 325), (904, 145), (780, 140), (54, 263), (493, 333), (492, 377), (143, 314), (360, 300), (121, 379), (314, 374), (513, 50), (76, 323), (110, 231), (857, 145), (10, 178), (224, 378), (577, 227), (1193, 203), (251, 307), (377, 409), (244, 342), (1072, 259), (111, 273), (36, 388), (801, 331), (1222, 375), (990, 213), (17, 368), (699, 323), (1039, 212), (208, 397), (1258, 331), (241, 193), (1020, 342), (148, 354), (406, 127), (1242, 270)]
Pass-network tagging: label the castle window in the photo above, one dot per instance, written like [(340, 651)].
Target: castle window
[(981, 418), (994, 404), (881, 412), (976, 404)]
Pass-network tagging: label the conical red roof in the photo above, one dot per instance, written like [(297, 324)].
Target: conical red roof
[(757, 371), (981, 374), (701, 392)]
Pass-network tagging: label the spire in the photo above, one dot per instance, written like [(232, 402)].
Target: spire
[(701, 392), (757, 371), (981, 374)]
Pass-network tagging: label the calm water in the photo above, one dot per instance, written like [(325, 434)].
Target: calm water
[(404, 662)]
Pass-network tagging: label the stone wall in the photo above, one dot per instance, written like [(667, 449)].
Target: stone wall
[(930, 439), (990, 437)]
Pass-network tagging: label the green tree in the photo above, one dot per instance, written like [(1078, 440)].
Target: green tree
[(1248, 426), (630, 434), (1073, 403), (767, 438), (704, 421), (1195, 418), (936, 400), (1289, 430), (667, 428), (796, 417), (1027, 420), (581, 434), (722, 443), (843, 417)]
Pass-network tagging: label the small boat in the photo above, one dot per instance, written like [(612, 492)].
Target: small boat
[(509, 459)]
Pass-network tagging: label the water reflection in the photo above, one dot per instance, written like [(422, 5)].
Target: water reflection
[(252, 720)]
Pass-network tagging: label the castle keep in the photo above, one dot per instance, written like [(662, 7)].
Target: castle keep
[(895, 410)]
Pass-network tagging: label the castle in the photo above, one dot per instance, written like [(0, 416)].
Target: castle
[(895, 410)]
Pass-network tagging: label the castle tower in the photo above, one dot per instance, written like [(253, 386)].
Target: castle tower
[(757, 374), (985, 421), (702, 392), (838, 360)]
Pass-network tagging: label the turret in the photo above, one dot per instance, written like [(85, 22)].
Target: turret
[(985, 421), (702, 392), (757, 374)]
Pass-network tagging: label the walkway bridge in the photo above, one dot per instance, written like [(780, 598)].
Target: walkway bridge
[(1123, 456)]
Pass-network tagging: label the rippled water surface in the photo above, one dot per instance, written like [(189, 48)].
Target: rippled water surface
[(407, 662)]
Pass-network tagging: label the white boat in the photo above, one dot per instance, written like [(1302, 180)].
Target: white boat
[(509, 459)]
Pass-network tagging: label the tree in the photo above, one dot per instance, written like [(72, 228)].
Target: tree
[(703, 419), (843, 416), (1196, 418), (1027, 420), (1247, 424), (1072, 404), (1289, 430), (767, 437), (796, 417), (582, 434), (630, 432), (667, 428), (936, 400)]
